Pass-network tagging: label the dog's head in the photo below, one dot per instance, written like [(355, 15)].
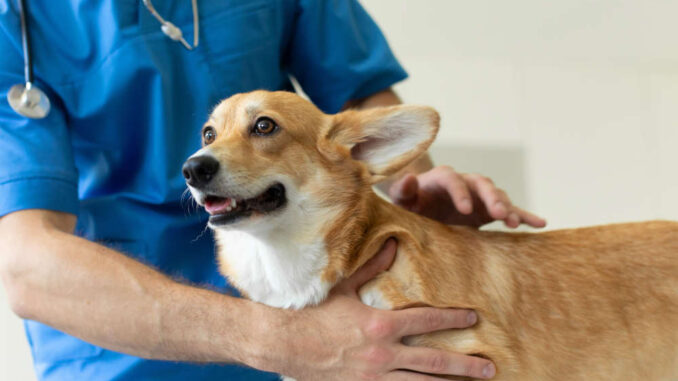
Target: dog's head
[(272, 158)]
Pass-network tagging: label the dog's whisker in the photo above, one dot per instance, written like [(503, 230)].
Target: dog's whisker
[(201, 234), (184, 199), (188, 203)]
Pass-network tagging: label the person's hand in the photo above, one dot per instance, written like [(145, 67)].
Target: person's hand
[(343, 339), (459, 199)]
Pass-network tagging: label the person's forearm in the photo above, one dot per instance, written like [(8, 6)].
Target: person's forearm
[(108, 299), (390, 98), (113, 301)]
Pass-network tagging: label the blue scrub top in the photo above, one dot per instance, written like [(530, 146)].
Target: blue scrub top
[(127, 107)]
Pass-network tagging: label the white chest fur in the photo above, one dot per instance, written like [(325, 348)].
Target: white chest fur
[(278, 271)]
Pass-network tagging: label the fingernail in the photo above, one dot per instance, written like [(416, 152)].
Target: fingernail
[(471, 318), (488, 371)]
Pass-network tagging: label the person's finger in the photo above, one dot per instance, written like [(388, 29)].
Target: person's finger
[(403, 375), (512, 220), (420, 320), (404, 191), (503, 197), (529, 218), (456, 187), (380, 262), (435, 361), (489, 194)]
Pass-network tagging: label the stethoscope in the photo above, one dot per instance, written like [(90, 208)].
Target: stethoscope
[(28, 100)]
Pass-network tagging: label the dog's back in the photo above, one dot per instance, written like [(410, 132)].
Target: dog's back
[(596, 303)]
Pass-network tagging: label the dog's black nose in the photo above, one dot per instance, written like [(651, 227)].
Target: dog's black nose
[(198, 171)]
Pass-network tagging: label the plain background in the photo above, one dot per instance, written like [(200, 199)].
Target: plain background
[(571, 106)]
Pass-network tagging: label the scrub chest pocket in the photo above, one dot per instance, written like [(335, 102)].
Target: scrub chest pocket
[(246, 40)]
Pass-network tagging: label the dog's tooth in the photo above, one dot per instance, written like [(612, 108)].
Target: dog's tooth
[(228, 208), (234, 203)]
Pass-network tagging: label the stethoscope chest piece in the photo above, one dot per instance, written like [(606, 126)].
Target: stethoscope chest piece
[(28, 101), (24, 98)]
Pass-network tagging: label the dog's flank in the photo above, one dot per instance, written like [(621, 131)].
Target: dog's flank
[(596, 303)]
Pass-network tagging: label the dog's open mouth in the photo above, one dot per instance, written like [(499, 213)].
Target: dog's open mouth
[(226, 210)]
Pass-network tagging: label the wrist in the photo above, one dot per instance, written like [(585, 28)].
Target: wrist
[(266, 337), (205, 326)]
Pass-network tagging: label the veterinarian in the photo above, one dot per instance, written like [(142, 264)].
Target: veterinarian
[(111, 270)]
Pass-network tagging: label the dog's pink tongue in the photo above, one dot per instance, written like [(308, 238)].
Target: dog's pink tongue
[(217, 206)]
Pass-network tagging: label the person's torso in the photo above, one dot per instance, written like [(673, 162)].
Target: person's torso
[(135, 102)]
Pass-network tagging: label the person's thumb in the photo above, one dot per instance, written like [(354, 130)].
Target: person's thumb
[(404, 191), (380, 262)]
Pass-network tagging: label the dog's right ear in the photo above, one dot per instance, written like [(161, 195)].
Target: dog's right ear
[(385, 139)]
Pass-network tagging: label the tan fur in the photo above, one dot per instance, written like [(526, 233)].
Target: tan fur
[(597, 303)]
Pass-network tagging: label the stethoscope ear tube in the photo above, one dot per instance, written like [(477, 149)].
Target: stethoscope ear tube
[(25, 98)]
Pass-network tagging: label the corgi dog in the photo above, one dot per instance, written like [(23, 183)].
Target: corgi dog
[(289, 193)]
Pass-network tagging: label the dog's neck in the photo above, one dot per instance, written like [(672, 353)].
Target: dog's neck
[(296, 264), (275, 270)]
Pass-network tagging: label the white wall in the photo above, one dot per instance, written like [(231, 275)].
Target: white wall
[(15, 356), (572, 106)]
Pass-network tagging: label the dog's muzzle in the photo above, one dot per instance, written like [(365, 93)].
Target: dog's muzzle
[(199, 171)]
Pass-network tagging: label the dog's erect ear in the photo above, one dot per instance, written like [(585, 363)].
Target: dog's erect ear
[(386, 139)]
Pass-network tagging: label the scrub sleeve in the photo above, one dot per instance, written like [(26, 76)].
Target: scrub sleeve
[(37, 169), (337, 53)]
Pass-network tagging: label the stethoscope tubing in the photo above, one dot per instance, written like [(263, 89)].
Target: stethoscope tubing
[(25, 42), (29, 101)]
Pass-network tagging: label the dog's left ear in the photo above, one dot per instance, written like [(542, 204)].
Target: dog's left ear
[(386, 139)]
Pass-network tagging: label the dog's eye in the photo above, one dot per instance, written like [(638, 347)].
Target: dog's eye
[(208, 135), (264, 126)]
